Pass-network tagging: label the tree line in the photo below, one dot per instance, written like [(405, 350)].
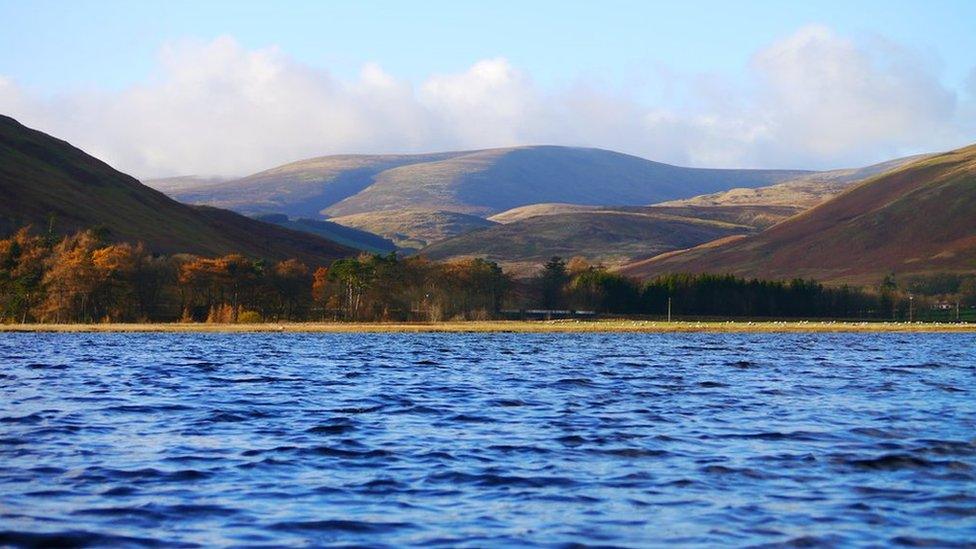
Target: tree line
[(85, 278), (578, 285)]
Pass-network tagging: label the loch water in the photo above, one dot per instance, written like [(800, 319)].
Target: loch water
[(487, 440)]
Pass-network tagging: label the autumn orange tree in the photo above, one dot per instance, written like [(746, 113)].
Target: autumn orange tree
[(117, 268), (83, 278), (217, 286), (70, 281), (88, 280)]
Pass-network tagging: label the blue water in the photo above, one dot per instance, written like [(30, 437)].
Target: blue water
[(487, 440)]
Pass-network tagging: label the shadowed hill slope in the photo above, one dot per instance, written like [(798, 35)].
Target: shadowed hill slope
[(347, 236), (45, 181), (303, 188), (491, 181), (919, 218)]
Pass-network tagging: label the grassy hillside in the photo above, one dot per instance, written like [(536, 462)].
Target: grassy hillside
[(919, 218), (475, 182), (608, 236), (347, 236), (50, 184), (801, 193), (414, 229), (535, 210), (757, 217), (754, 217)]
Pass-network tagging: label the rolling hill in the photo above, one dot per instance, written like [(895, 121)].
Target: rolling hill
[(535, 210), (753, 216), (801, 193), (918, 218), (473, 182), (303, 188), (414, 229), (609, 236), (615, 243), (47, 182)]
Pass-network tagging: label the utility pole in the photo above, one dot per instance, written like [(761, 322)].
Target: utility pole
[(911, 307), (669, 310), (957, 310)]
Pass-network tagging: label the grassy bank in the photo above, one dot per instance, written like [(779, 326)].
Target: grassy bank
[(557, 326)]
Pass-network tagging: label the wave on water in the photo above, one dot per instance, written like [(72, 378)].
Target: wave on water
[(624, 440)]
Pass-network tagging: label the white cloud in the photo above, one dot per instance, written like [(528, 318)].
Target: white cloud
[(813, 99), (489, 103), (827, 97)]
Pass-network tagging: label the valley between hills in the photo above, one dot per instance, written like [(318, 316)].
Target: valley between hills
[(520, 206)]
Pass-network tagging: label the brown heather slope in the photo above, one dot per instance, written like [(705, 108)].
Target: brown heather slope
[(45, 181), (609, 236), (612, 236), (919, 218)]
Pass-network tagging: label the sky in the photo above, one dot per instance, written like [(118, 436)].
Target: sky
[(230, 88)]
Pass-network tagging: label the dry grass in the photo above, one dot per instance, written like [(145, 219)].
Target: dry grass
[(608, 326)]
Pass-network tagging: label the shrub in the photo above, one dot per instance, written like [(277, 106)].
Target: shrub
[(249, 317)]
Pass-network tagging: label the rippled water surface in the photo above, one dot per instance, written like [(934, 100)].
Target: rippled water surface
[(487, 440)]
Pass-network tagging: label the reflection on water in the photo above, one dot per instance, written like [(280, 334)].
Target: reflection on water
[(487, 440)]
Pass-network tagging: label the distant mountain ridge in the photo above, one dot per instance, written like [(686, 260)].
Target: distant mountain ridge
[(47, 183), (479, 182)]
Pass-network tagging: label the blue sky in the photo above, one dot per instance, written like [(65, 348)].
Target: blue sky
[(672, 63), (54, 45)]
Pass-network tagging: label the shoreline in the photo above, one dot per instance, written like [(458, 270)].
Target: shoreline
[(508, 326)]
